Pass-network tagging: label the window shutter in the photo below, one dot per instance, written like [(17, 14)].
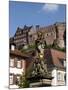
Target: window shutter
[(14, 79), (15, 62)]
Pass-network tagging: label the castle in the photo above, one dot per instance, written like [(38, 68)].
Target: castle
[(52, 34)]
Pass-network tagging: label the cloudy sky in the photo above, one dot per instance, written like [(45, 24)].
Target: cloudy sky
[(21, 13)]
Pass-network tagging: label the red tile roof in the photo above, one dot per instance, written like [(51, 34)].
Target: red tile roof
[(18, 53), (55, 57)]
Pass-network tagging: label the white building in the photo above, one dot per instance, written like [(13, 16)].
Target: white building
[(16, 66), (59, 77)]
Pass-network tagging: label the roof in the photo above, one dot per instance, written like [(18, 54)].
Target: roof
[(55, 57), (60, 23), (18, 53), (47, 29)]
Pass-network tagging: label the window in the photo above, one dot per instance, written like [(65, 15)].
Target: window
[(60, 76), (12, 47), (18, 64), (64, 63), (11, 62), (11, 78), (17, 79)]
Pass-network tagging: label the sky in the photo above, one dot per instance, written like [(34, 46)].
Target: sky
[(28, 13)]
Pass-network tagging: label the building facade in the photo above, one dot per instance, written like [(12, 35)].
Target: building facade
[(16, 66), (52, 34), (20, 63), (21, 37)]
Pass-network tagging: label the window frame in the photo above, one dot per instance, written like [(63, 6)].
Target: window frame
[(60, 75), (18, 79), (12, 47), (10, 79), (11, 62), (19, 67)]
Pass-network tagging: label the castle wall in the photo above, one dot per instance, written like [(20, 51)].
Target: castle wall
[(50, 33)]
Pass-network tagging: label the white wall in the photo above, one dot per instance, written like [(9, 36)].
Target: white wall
[(62, 82), (13, 86), (55, 81), (16, 70), (54, 75)]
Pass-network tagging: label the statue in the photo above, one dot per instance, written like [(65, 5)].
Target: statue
[(40, 44), (39, 71), (40, 66)]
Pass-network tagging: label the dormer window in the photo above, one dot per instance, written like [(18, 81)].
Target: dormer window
[(63, 62)]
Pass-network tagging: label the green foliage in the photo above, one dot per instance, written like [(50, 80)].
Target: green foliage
[(48, 46), (33, 47), (55, 47), (30, 47), (24, 83), (60, 49)]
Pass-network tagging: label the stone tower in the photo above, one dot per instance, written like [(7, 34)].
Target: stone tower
[(60, 33)]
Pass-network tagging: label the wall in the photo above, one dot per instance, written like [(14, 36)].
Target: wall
[(17, 71), (51, 33), (55, 81)]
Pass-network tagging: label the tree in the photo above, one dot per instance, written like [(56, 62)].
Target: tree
[(24, 83)]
